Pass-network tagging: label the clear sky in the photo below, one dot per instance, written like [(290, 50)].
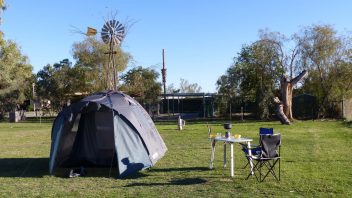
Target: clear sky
[(200, 37)]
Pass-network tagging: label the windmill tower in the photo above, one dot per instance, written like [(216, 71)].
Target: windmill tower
[(112, 33)]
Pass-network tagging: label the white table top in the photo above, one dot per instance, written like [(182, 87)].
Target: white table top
[(232, 139)]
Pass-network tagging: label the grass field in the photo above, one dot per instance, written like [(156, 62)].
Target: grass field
[(316, 162)]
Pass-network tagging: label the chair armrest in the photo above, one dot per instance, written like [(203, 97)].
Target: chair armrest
[(245, 145), (255, 150)]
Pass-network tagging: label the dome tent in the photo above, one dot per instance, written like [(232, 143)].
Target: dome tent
[(104, 129)]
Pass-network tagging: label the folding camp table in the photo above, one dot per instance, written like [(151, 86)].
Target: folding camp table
[(230, 141)]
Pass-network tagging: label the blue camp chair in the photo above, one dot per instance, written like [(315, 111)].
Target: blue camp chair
[(256, 150)]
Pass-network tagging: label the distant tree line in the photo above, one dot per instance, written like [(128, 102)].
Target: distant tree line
[(254, 77)]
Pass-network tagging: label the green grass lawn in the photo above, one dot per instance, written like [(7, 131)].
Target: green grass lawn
[(316, 162)]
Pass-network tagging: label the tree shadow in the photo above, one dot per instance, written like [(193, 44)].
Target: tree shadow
[(177, 182), (24, 167)]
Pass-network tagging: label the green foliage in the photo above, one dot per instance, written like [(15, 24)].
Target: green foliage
[(314, 163), (259, 67), (58, 83), (142, 83), (327, 55), (228, 89), (92, 60), (15, 75), (255, 74)]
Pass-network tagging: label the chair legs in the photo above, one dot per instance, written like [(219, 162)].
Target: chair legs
[(269, 167)]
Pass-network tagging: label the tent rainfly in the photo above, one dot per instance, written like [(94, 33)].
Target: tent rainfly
[(105, 129)]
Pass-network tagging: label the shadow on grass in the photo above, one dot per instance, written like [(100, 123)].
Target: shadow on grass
[(39, 167), (177, 182), (99, 172), (179, 169), (24, 167)]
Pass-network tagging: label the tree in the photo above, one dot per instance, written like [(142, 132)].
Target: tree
[(186, 87), (259, 71), (171, 89), (92, 59), (256, 71), (228, 89), (14, 76), (15, 73), (289, 61), (58, 83), (287, 92), (142, 83), (327, 56)]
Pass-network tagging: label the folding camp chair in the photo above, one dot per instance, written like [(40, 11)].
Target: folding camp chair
[(256, 148), (268, 158)]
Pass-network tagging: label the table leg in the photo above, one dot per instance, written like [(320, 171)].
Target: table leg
[(224, 154), (232, 160), (250, 154), (212, 154)]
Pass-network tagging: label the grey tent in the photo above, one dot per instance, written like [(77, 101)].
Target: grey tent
[(105, 129)]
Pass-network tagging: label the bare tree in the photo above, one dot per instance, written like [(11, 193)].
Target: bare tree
[(286, 93)]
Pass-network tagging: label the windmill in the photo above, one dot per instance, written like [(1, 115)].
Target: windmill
[(112, 33)]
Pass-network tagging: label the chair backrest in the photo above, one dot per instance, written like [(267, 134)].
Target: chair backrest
[(270, 145), (266, 131)]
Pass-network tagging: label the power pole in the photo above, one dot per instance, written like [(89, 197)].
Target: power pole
[(163, 73)]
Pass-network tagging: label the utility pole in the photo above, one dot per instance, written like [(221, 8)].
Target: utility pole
[(163, 73)]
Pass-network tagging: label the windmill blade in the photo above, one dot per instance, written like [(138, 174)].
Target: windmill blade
[(121, 32), (111, 24), (105, 34), (106, 40), (105, 28), (119, 26), (115, 23), (115, 41)]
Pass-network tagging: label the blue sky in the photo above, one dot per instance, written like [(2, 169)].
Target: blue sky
[(200, 37)]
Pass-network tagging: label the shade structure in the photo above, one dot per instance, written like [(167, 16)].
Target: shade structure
[(105, 129)]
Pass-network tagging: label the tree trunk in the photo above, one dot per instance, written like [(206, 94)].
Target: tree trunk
[(284, 108), (287, 90), (280, 111)]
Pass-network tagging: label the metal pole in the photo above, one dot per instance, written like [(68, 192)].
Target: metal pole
[(173, 104), (112, 62), (343, 107), (33, 96), (178, 105), (163, 73), (203, 105), (168, 106)]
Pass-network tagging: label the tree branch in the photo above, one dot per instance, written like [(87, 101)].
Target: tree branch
[(303, 74)]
